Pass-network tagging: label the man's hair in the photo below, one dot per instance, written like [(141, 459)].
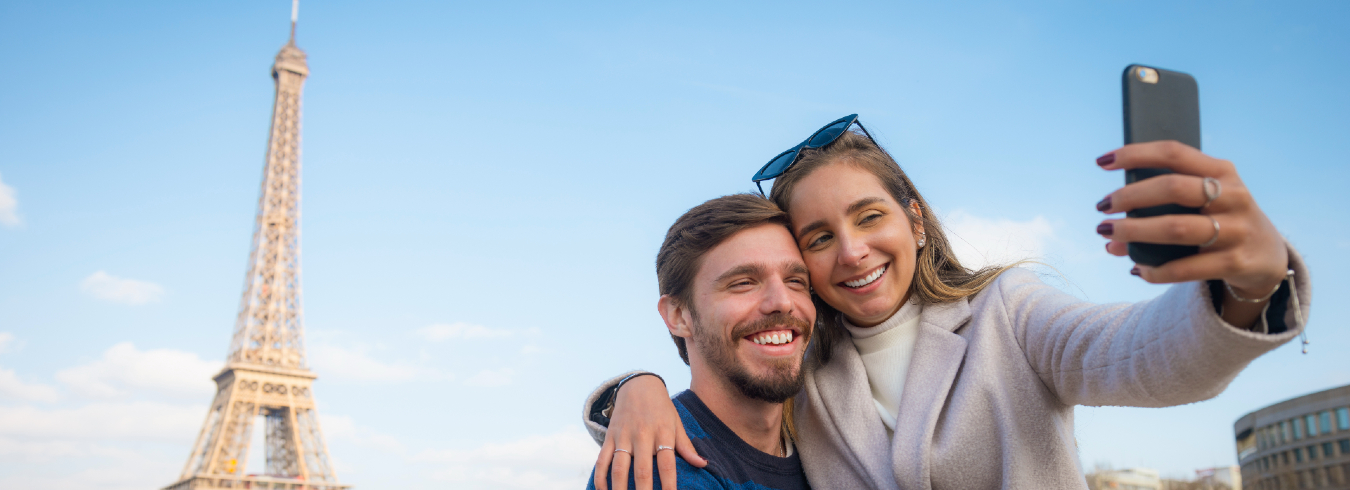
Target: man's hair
[(699, 230)]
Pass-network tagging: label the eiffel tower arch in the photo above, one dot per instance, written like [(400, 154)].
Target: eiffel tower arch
[(265, 374)]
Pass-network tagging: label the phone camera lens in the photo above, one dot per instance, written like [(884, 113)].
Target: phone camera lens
[(1147, 75)]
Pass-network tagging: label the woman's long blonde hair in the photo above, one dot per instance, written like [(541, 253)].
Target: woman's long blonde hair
[(938, 276)]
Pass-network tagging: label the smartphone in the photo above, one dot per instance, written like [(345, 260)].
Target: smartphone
[(1159, 105)]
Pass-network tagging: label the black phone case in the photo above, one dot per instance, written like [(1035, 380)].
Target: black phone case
[(1166, 110)]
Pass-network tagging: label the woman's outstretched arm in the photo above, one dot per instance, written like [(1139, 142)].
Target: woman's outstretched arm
[(640, 418), (1189, 343)]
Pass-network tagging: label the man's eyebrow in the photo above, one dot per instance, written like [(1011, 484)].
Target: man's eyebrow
[(795, 267), (852, 208), (741, 270)]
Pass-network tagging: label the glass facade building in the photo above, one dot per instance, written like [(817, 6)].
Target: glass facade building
[(1298, 443)]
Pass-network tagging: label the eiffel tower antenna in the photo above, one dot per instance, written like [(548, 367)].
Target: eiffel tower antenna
[(295, 13), (265, 374)]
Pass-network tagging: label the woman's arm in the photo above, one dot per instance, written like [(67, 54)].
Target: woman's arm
[(1170, 350), (640, 418), (1189, 343)]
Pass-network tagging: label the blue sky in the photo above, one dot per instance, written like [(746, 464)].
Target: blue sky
[(486, 185)]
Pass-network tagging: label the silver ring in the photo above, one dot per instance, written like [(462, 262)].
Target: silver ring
[(619, 450), (1210, 197), (1216, 233), (663, 448)]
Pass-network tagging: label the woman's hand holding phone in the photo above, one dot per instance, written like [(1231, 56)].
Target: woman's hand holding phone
[(643, 418), (1244, 249)]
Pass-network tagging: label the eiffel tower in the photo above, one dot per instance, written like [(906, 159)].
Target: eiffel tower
[(265, 374)]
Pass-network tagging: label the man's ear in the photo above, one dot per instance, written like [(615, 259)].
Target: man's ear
[(677, 316)]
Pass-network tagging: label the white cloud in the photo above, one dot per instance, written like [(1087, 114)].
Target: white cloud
[(141, 420), (118, 290), (355, 364), (459, 330), (490, 378), (979, 242), (124, 368), (13, 387), (9, 206), (561, 460)]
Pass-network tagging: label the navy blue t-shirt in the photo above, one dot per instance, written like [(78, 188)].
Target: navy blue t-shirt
[(732, 463)]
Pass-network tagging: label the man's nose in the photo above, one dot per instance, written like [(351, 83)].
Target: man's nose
[(777, 299)]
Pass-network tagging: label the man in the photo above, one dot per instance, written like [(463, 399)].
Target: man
[(736, 299)]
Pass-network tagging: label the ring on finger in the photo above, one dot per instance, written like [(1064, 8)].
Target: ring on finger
[(621, 450), (1214, 238), (1210, 196), (663, 448)]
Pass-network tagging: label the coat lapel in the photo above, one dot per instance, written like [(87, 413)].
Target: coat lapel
[(843, 382), (938, 354)]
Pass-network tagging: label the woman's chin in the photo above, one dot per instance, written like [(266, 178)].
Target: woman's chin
[(867, 315)]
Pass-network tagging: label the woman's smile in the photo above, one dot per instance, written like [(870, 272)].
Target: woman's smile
[(869, 279)]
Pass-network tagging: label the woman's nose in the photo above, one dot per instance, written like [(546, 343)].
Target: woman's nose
[(852, 251)]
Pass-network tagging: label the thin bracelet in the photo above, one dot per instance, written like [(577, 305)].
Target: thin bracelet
[(614, 400), (1289, 276)]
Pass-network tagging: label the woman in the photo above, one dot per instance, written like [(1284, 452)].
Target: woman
[(926, 374)]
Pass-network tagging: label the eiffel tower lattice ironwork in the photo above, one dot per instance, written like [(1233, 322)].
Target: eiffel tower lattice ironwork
[(265, 375)]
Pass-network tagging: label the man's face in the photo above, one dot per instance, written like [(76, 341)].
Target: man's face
[(752, 313)]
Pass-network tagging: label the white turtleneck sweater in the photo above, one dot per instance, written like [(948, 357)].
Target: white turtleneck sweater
[(886, 350)]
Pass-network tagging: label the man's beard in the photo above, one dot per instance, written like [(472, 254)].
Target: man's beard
[(785, 378)]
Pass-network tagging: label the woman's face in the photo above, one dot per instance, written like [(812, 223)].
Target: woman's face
[(857, 242)]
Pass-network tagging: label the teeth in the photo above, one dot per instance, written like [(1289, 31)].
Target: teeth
[(866, 280), (773, 338)]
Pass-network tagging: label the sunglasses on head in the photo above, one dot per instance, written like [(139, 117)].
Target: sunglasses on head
[(822, 137)]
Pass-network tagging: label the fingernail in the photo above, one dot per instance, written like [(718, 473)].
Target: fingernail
[(1106, 159), (1105, 229), (1104, 205), (1108, 247), (1134, 271)]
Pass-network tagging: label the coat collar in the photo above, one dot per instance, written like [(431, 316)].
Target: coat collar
[(903, 461), (938, 355), (847, 401)]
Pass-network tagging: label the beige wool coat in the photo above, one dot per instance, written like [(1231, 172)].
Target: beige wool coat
[(988, 400)]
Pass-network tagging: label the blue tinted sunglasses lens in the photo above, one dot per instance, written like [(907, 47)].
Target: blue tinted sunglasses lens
[(829, 134), (778, 165)]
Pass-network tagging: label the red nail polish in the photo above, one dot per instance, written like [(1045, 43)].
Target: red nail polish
[(1106, 159), (1104, 205), (1106, 229), (1134, 271)]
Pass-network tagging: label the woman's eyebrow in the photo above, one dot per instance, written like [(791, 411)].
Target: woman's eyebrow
[(820, 223), (852, 208), (862, 203)]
